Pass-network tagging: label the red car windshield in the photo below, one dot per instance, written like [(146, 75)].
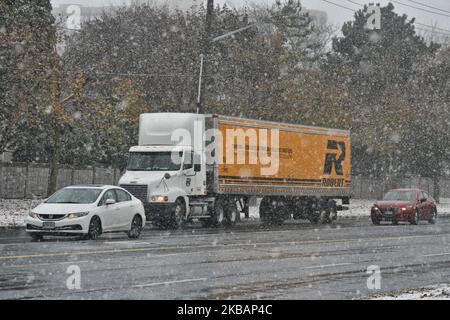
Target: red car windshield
[(400, 195)]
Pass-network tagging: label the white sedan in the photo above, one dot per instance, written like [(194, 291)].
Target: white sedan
[(88, 210)]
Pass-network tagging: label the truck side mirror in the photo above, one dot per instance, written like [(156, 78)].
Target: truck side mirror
[(197, 163)]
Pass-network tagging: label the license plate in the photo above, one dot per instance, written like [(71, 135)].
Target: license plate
[(48, 225)]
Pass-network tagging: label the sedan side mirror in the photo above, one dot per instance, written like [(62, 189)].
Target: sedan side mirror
[(423, 200), (110, 201)]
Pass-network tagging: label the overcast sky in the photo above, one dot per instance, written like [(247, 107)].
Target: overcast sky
[(336, 15)]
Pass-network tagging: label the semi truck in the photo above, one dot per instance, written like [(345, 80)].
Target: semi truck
[(211, 168)]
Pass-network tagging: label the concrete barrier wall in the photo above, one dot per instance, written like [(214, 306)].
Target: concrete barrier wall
[(30, 180)]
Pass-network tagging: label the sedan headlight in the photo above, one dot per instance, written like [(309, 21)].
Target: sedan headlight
[(33, 215), (407, 208), (77, 214), (159, 199)]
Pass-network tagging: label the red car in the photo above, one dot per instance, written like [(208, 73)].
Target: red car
[(410, 205)]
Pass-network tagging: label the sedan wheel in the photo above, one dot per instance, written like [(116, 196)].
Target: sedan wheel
[(36, 236), (375, 220), (415, 219), (95, 228), (434, 217), (136, 228)]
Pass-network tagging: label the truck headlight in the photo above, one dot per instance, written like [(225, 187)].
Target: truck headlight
[(159, 199), (77, 215)]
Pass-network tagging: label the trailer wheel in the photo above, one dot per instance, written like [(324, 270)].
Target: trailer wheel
[(206, 223), (231, 213), (268, 213), (333, 210), (325, 213), (218, 215)]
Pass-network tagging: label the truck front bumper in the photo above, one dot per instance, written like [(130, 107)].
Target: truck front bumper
[(159, 211)]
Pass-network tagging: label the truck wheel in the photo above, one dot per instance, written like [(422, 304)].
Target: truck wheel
[(231, 214), (218, 216), (179, 214)]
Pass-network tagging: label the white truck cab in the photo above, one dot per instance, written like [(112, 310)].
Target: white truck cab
[(161, 170)]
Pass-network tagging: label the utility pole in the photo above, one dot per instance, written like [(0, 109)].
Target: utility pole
[(206, 46)]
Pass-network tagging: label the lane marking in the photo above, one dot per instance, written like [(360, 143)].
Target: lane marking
[(436, 254), (328, 265), (43, 264), (168, 283), (231, 245), (126, 242)]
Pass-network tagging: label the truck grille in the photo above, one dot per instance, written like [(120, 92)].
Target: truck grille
[(137, 190)]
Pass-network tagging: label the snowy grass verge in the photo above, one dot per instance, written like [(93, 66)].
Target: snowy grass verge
[(13, 211), (436, 292)]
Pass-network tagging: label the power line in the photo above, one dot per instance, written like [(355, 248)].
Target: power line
[(418, 23), (432, 27), (425, 5), (434, 31), (359, 4), (338, 5), (417, 8)]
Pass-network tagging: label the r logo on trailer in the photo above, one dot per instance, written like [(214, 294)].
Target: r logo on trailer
[(331, 158)]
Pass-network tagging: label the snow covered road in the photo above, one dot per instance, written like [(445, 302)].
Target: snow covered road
[(294, 261)]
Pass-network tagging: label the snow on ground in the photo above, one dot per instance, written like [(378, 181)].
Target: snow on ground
[(14, 211), (437, 292), (361, 208)]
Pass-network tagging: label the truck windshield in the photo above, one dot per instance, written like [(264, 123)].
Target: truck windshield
[(152, 161)]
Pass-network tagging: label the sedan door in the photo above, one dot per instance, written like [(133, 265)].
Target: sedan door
[(422, 206), (110, 214), (126, 208), (428, 205)]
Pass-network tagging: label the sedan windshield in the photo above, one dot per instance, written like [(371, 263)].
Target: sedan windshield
[(152, 161), (400, 195), (75, 195)]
